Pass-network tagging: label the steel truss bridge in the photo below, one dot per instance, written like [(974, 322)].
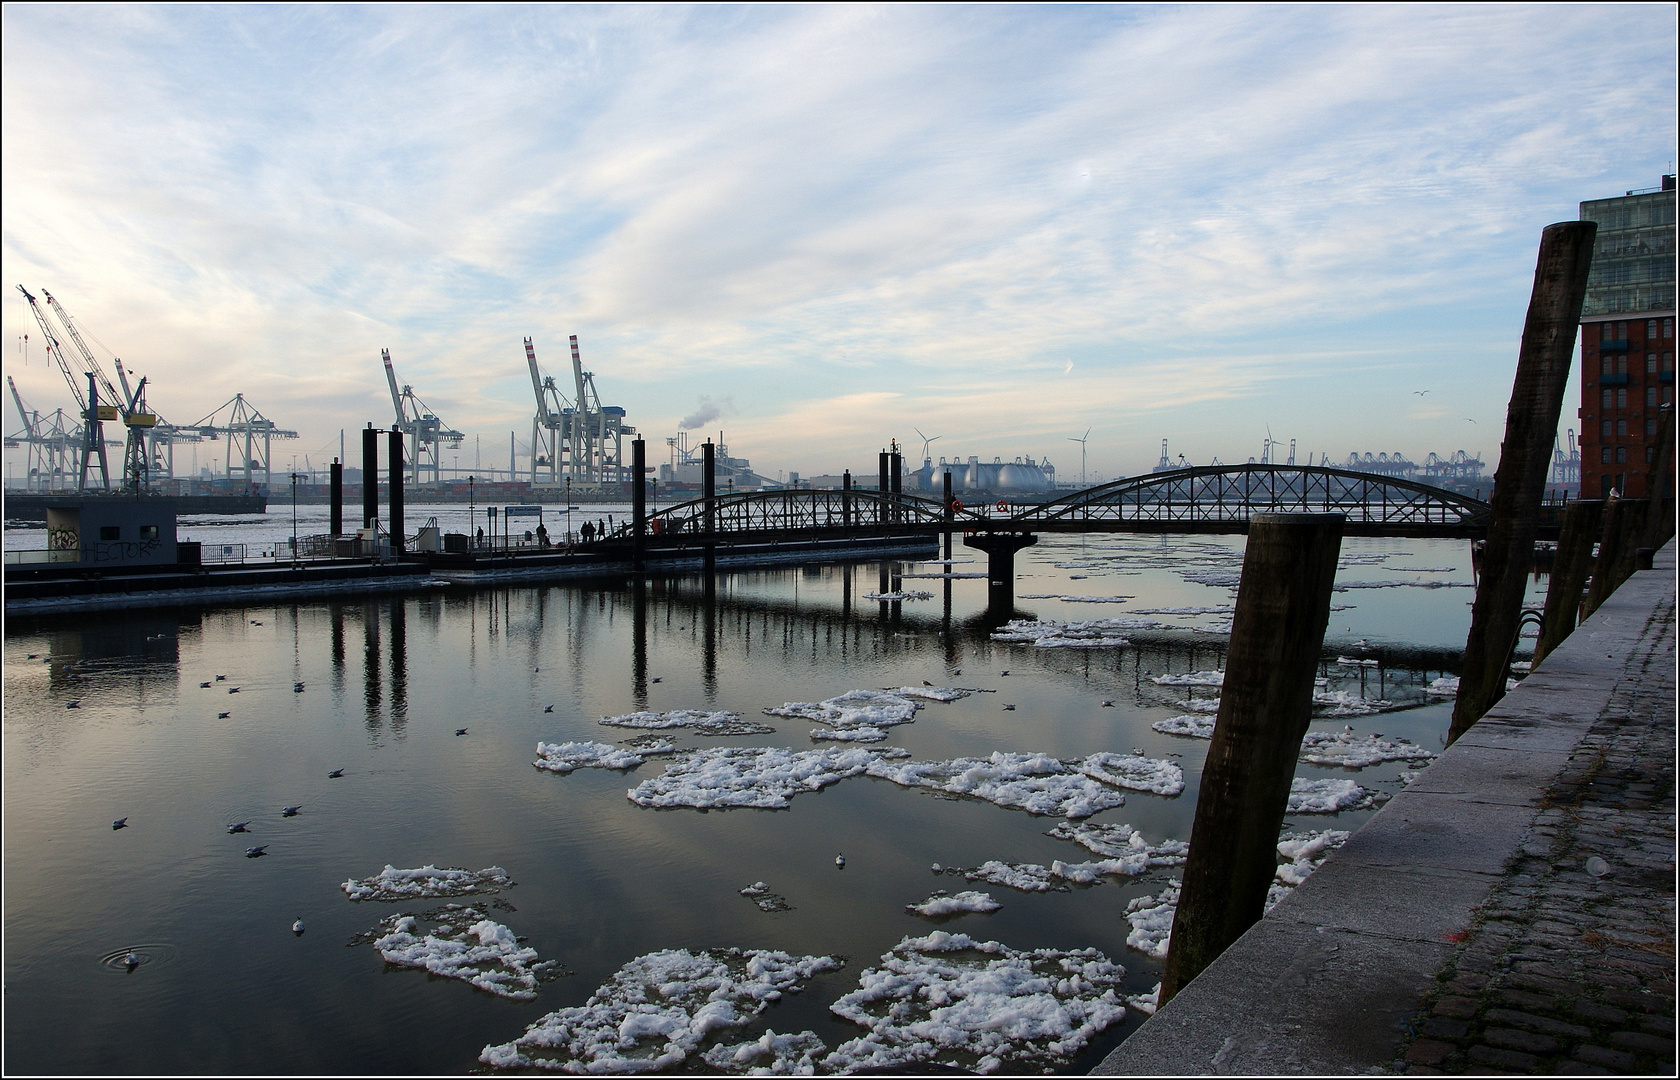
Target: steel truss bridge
[(1206, 499)]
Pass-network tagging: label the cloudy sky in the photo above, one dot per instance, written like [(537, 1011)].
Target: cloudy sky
[(821, 228)]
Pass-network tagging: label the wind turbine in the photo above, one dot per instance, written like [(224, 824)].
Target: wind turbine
[(925, 441), (1081, 442)]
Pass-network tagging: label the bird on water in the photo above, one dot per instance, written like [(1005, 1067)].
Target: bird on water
[(297, 927), (335, 774), (253, 852), (290, 811), (239, 826), (460, 731), (840, 862), (120, 823)]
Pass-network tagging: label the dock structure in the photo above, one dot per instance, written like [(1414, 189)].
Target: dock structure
[(1510, 910)]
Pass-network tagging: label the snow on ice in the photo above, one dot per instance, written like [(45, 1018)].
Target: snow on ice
[(943, 904), (702, 723), (1137, 773), (932, 693), (769, 1055), (759, 893), (1077, 599), (1036, 783), (1193, 678), (906, 594), (855, 710), (564, 757), (468, 947), (977, 1005), (1152, 918), (1088, 634), (1329, 796), (1146, 1003), (393, 884), (1215, 609), (764, 777), (1196, 727), (1352, 751), (1120, 841), (659, 1009), (1445, 686), (1348, 661)]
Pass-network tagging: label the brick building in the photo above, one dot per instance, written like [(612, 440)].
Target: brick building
[(1627, 339)]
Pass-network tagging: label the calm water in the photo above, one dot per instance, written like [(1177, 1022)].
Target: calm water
[(227, 987)]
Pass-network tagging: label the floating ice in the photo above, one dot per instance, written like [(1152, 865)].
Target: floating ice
[(1329, 796), (483, 953), (1522, 665), (1036, 783), (1120, 841), (857, 734), (769, 1055), (1343, 586), (1214, 609), (1193, 678), (977, 1005), (1088, 634), (932, 693), (1146, 1003), (1196, 727), (657, 1010), (1077, 599), (943, 575), (854, 709), (1209, 706), (1347, 703), (1137, 773), (759, 893), (1425, 569), (393, 884), (564, 757), (1352, 751), (905, 594), (941, 904), (1302, 853), (1152, 918), (765, 777), (1445, 686), (1349, 661), (1218, 577), (702, 723), (1026, 877)]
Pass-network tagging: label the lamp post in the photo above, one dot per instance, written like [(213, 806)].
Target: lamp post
[(295, 478), (568, 511), (472, 508)]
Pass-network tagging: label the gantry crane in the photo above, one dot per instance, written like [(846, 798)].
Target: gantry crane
[(424, 430), (55, 444), (92, 412), (244, 427), (596, 433), (549, 436)]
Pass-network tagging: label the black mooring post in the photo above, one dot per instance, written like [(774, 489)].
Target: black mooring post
[(949, 513), (638, 496), (336, 486), (885, 488), (1525, 457), (1277, 633), (897, 486), (846, 498), (1582, 520), (370, 475), (394, 474), (708, 484)]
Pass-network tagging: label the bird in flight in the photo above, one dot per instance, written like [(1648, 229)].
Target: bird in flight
[(1419, 393)]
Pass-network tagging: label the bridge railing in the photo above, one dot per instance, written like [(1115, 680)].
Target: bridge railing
[(794, 510)]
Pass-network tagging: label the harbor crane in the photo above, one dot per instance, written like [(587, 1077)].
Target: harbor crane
[(54, 442), (93, 414), (424, 430), (597, 433), (244, 427), (549, 438)]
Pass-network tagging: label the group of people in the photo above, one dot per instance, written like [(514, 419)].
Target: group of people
[(589, 533)]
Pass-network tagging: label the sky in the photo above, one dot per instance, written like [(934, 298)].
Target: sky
[(816, 229)]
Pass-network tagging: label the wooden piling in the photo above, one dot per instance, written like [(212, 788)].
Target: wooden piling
[(1659, 483), (949, 513), (335, 521), (846, 498), (638, 498), (881, 507), (394, 470), (1624, 531), (1277, 632), (1548, 345), (1582, 520), (708, 484), (370, 476)]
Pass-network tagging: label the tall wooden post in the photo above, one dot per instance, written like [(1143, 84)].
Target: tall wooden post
[(949, 513), (638, 497), (708, 484), (881, 508), (335, 523), (1624, 529), (1548, 344), (370, 476), (1659, 483), (846, 498), (1582, 520), (1277, 633), (394, 480)]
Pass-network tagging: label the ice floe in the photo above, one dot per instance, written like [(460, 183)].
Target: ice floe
[(1077, 599), (564, 757), (1036, 783), (764, 777), (979, 1006), (1344, 586), (932, 693), (1329, 796), (1347, 703), (1146, 1003), (1445, 686), (1218, 577), (769, 1055), (856, 710), (1121, 841), (1151, 918), (1193, 678), (1349, 661), (1136, 773), (942, 575), (1352, 751), (1302, 853), (1214, 609), (701, 723), (659, 1009), (465, 945), (904, 594), (425, 881), (1087, 634), (759, 893), (942, 904), (1196, 727)]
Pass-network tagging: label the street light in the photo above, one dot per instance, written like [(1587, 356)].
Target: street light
[(295, 478)]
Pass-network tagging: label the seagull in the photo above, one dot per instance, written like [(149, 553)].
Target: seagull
[(926, 683), (1347, 727), (223, 715), (297, 927), (1003, 673), (1136, 752), (840, 862), (957, 672), (255, 623), (131, 961), (73, 704), (239, 826), (254, 852), (120, 823), (1009, 708), (204, 686), (1420, 393), (221, 678), (654, 679), (548, 708), (233, 689), (1467, 418), (1108, 703), (335, 774), (297, 688), (460, 731), (290, 811), (34, 656)]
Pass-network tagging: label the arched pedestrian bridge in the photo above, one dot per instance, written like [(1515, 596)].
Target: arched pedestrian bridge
[(1208, 499)]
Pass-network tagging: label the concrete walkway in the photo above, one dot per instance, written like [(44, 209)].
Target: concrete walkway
[(1513, 910)]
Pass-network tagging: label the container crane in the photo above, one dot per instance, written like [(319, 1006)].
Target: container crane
[(243, 428), (549, 437), (597, 432), (54, 444), (424, 430), (93, 414)]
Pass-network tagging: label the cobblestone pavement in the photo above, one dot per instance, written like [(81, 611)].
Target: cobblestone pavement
[(1569, 966)]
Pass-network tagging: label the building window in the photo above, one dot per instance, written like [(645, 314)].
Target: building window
[(1668, 361), (148, 532), (1605, 330), (1604, 432), (1621, 397), (1621, 427), (1668, 394), (1668, 328), (1621, 331), (1650, 397), (1604, 486), (1609, 398), (1604, 455), (1606, 366), (110, 532), (1621, 455), (1650, 363), (1621, 364), (1651, 426), (1650, 328)]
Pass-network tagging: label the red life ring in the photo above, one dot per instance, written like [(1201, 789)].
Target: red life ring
[(956, 506), (1003, 504)]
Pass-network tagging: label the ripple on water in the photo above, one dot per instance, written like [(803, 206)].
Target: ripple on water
[(156, 953)]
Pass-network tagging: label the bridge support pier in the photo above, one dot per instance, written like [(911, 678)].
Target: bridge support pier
[(1000, 549)]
